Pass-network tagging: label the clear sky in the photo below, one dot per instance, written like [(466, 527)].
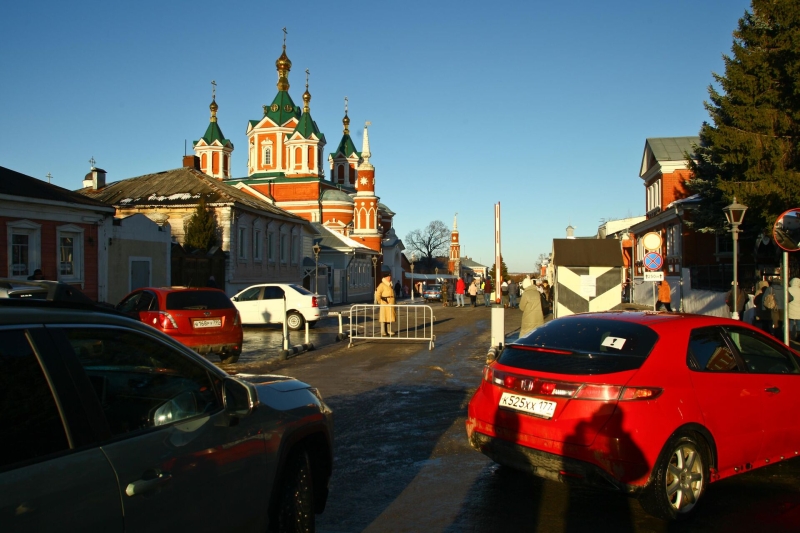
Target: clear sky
[(541, 106)]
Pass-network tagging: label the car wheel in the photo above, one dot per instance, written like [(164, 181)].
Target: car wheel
[(296, 506), (294, 321), (678, 480)]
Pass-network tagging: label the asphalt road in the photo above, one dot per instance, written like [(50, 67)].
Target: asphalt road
[(402, 461)]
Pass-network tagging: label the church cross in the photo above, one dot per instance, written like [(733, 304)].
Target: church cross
[(213, 90), (307, 73), (284, 38), (92, 161), (49, 178), (345, 105)]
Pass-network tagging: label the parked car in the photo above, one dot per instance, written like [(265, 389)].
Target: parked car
[(656, 405), (264, 304), (202, 318), (432, 292), (109, 425)]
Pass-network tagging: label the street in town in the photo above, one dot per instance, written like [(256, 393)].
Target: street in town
[(402, 461)]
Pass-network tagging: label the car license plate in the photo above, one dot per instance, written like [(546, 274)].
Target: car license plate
[(534, 406), (209, 323)]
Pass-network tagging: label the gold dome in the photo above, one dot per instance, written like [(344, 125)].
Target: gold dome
[(213, 107), (283, 62)]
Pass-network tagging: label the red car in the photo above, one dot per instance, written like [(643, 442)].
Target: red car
[(656, 405), (203, 319)]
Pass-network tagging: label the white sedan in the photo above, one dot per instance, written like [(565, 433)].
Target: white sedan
[(264, 304)]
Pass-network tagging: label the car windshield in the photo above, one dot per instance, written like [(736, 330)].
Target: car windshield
[(582, 345), (207, 299)]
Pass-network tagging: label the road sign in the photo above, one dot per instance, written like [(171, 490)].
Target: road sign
[(654, 276), (652, 241), (653, 261)]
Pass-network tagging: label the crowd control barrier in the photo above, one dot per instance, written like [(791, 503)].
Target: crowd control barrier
[(412, 323)]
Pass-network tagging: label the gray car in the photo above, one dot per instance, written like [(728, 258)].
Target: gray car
[(108, 425)]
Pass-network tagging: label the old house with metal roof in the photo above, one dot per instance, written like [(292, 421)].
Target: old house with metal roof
[(262, 241)]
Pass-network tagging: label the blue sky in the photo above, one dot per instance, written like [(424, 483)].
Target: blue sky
[(541, 106)]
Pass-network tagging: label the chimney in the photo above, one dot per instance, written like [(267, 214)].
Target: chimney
[(96, 178), (570, 232), (191, 161)]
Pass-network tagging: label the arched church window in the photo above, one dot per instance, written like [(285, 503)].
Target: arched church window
[(268, 156), (340, 173)]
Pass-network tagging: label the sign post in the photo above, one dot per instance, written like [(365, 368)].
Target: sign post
[(653, 261)]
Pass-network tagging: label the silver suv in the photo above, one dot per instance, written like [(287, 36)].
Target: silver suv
[(109, 425)]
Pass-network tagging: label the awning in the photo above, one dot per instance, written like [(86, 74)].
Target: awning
[(430, 277)]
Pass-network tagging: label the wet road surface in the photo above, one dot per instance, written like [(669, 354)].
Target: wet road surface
[(402, 461)]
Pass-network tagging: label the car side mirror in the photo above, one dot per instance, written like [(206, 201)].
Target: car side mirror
[(238, 397), (234, 299)]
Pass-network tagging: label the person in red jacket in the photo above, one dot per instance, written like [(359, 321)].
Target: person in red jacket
[(487, 291), (460, 287)]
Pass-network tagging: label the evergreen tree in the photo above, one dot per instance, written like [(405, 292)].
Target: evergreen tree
[(752, 149), (201, 229), (503, 270)]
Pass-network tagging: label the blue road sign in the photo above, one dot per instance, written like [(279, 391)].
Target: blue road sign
[(653, 261)]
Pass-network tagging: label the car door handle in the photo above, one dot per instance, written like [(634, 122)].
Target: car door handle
[(772, 390), (151, 480)]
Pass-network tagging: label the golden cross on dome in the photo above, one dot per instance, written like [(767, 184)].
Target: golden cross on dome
[(367, 124), (284, 37), (213, 90)]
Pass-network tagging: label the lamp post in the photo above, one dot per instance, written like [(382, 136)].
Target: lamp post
[(375, 270), (316, 250), (735, 213), (413, 258)]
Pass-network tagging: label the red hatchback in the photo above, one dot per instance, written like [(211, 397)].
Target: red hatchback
[(654, 405), (203, 319)]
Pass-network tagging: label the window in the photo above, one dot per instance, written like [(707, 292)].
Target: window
[(242, 243), (140, 382), (762, 355), (708, 352), (284, 248), (24, 253), (70, 253), (271, 246), (250, 295), (257, 244), (30, 424), (267, 156), (295, 249)]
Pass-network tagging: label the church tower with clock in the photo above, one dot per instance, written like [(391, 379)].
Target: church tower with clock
[(455, 249)]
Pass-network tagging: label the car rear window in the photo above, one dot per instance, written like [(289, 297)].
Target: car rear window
[(582, 346), (177, 301), (301, 290)]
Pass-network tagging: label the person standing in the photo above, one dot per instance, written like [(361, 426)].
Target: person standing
[(763, 319), (473, 292), (513, 294), (741, 300), (532, 315), (664, 296), (37, 275), (794, 308), (212, 282), (384, 295), (445, 293), (451, 292), (504, 293), (460, 288), (487, 292), (774, 293), (398, 291)]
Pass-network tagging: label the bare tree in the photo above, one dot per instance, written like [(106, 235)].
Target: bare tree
[(433, 241)]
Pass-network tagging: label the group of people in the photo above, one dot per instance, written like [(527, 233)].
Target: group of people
[(770, 308)]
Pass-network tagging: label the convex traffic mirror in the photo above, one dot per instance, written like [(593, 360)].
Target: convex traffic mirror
[(786, 230)]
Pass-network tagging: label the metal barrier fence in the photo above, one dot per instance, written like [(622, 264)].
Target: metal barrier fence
[(412, 322)]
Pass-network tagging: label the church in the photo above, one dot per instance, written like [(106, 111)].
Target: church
[(285, 167)]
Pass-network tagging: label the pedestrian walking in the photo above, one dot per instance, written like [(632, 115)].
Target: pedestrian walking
[(504, 293), (794, 309), (398, 290), (487, 292), (741, 300), (384, 296), (460, 288), (513, 294), (664, 296), (473, 292), (763, 319), (445, 293), (532, 313)]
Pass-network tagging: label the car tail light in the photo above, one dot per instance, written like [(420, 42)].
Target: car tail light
[(165, 321), (314, 302), (568, 389), (237, 319)]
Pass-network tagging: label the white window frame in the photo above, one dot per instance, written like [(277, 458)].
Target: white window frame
[(77, 235), (34, 233)]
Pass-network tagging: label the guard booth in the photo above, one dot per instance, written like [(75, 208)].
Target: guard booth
[(588, 275)]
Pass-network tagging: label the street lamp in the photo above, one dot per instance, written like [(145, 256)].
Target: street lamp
[(316, 249), (735, 213), (375, 270), (413, 258)]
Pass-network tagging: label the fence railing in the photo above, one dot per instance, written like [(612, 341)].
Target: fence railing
[(412, 323)]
